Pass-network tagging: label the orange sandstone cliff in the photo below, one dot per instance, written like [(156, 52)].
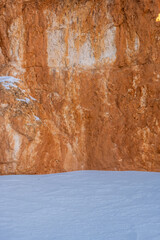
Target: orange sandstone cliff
[(88, 94)]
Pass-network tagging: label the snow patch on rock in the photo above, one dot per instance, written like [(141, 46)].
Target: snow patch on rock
[(37, 118), (26, 100), (8, 82)]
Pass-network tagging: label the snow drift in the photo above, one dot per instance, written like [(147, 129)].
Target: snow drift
[(87, 205)]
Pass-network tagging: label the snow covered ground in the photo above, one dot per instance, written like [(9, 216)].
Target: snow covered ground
[(86, 205)]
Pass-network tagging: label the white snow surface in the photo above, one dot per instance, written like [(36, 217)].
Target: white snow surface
[(85, 205)]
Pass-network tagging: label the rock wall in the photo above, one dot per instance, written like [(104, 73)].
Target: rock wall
[(88, 90)]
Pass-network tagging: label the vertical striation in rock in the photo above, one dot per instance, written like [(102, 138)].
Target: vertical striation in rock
[(82, 90)]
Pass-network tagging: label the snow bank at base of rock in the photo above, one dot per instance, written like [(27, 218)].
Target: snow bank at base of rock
[(86, 205)]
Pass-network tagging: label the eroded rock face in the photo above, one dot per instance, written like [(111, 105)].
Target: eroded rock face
[(88, 94)]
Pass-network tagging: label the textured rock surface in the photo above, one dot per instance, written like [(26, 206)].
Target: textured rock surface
[(91, 72)]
